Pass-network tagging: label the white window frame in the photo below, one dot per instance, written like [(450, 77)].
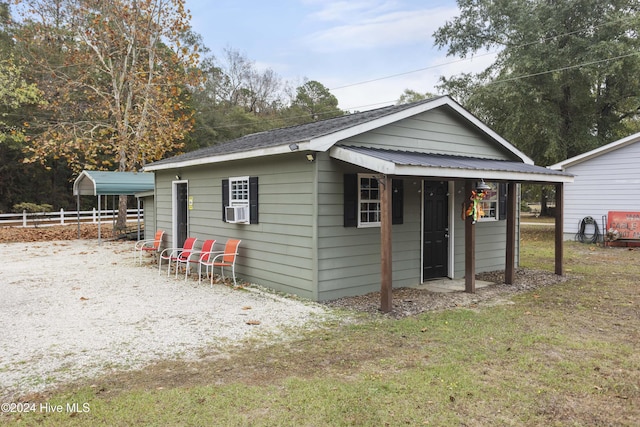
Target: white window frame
[(491, 204), (234, 192), (361, 201), (239, 197)]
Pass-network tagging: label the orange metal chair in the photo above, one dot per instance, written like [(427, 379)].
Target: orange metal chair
[(175, 254), (224, 259), (195, 257), (149, 246)]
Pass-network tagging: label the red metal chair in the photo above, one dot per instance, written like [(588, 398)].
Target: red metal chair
[(174, 254), (149, 246), (224, 259), (195, 257)]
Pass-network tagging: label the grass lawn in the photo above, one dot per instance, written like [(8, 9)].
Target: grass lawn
[(566, 354)]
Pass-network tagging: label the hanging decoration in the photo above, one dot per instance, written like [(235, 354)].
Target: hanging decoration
[(474, 210)]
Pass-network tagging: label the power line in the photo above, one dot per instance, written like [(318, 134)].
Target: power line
[(523, 45), (412, 71), (569, 67), (524, 76)]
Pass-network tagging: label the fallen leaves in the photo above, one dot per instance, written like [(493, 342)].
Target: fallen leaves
[(56, 232)]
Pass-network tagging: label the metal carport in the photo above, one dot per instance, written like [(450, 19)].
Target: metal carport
[(105, 183)]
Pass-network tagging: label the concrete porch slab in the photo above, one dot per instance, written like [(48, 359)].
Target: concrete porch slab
[(448, 285)]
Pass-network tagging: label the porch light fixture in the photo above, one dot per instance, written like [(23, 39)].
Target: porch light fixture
[(482, 186), (311, 157)]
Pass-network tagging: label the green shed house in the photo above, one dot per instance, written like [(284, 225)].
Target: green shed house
[(358, 203)]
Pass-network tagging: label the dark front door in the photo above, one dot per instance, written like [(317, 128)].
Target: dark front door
[(435, 230), (181, 205)]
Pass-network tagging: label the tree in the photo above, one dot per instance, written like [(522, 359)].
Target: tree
[(6, 43), (116, 77), (410, 95), (240, 84), (18, 97), (235, 99), (15, 92), (313, 102), (566, 78)]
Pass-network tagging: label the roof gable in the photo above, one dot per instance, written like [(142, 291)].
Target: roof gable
[(324, 134), (615, 145)]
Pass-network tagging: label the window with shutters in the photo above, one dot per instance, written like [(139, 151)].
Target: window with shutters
[(240, 200), (362, 201)]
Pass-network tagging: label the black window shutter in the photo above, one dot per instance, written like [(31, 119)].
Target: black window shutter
[(502, 201), (253, 200), (225, 198), (350, 200), (397, 201)]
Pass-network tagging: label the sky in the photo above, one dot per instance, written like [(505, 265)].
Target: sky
[(367, 52)]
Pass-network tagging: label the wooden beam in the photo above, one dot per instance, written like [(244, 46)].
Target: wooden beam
[(510, 261), (386, 260), (469, 243), (559, 229)]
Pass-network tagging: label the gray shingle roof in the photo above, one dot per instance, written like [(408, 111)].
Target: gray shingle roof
[(289, 135)]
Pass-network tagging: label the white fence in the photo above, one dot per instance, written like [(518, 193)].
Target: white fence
[(62, 217)]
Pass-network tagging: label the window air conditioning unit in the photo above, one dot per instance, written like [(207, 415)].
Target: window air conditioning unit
[(237, 214)]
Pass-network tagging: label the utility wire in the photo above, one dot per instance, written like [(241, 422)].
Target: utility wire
[(568, 67), (523, 45), (469, 59), (411, 72), (524, 76)]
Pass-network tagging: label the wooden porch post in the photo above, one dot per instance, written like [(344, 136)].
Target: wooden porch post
[(386, 284), (510, 261), (469, 244), (559, 229)]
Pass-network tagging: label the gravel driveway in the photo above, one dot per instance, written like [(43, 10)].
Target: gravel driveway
[(72, 309)]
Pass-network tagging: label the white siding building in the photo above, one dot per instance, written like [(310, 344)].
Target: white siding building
[(605, 179)]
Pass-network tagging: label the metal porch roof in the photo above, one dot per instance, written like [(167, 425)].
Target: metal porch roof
[(445, 166), (99, 183)]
